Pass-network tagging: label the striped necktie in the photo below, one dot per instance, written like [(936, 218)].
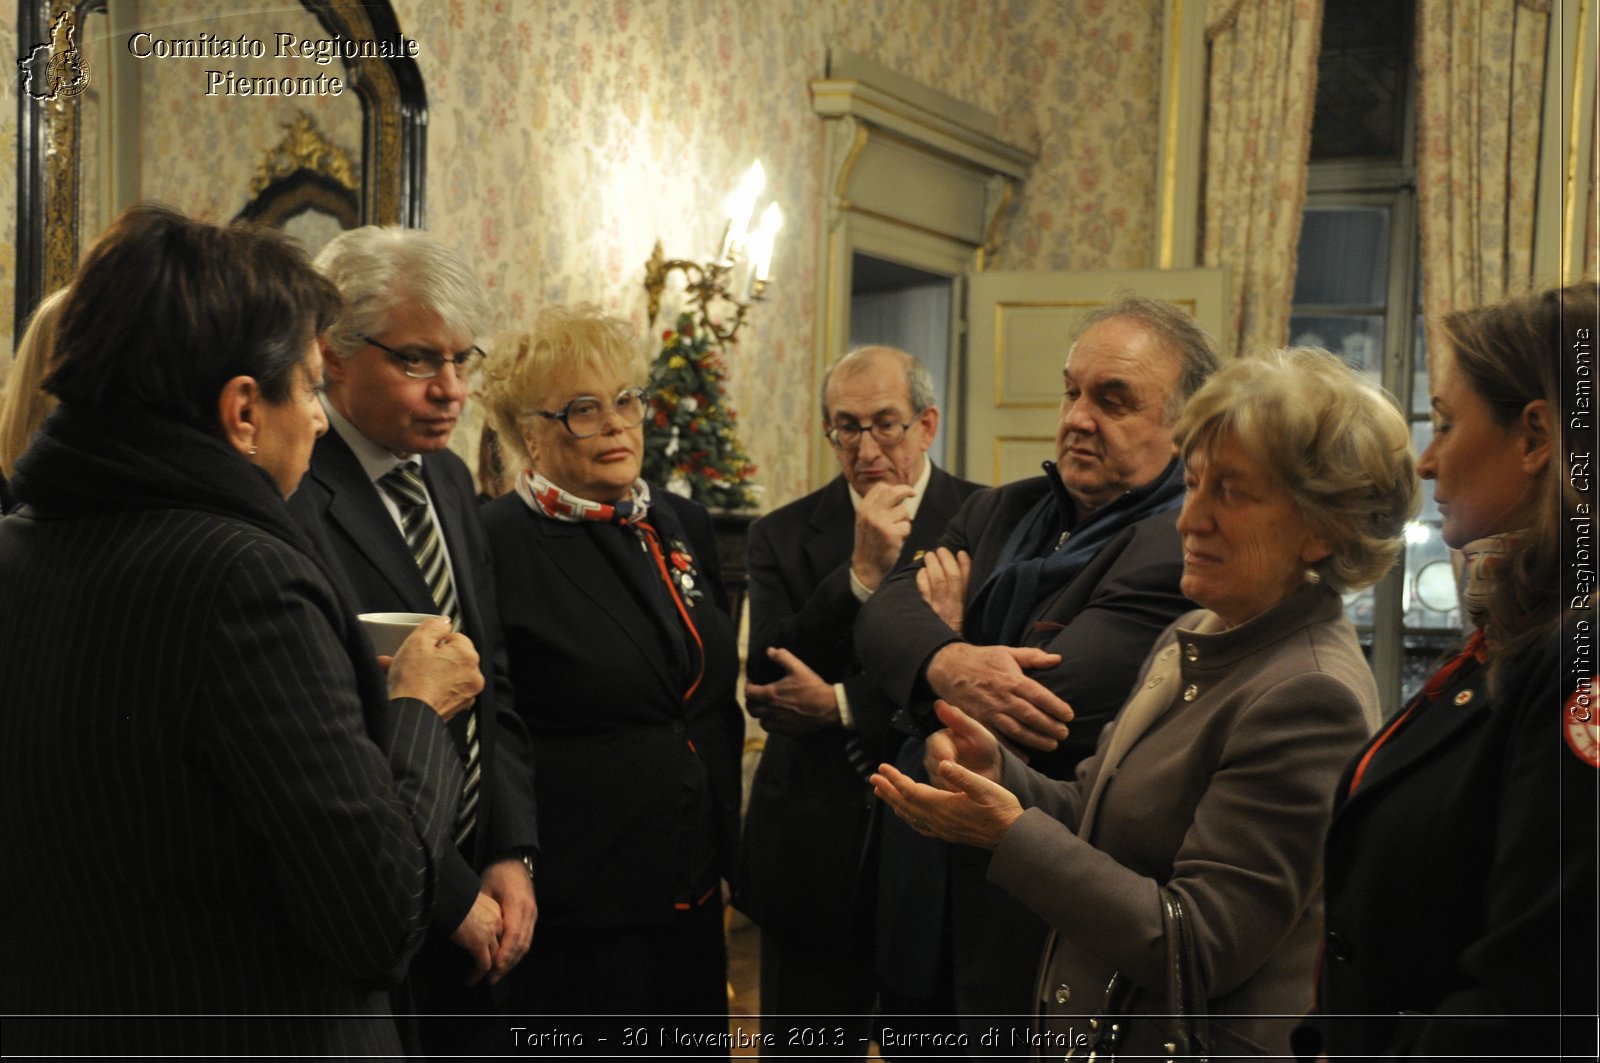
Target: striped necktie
[(404, 485)]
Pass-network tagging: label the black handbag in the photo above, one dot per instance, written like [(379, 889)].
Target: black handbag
[(1190, 1035)]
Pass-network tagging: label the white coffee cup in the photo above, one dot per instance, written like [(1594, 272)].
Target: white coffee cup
[(388, 630)]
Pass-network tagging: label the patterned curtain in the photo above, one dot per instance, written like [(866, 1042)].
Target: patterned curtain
[(1262, 91), (1480, 81)]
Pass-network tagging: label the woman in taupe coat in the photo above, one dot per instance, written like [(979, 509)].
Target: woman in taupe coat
[(1216, 778)]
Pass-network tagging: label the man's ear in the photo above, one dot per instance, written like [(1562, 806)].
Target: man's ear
[(237, 408), (1535, 431), (333, 367), (930, 418)]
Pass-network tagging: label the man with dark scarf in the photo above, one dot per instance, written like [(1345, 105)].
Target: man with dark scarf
[(1072, 576)]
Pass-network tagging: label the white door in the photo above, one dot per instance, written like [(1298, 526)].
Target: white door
[(1017, 330)]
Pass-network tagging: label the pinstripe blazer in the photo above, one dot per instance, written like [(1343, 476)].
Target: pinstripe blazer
[(211, 843)]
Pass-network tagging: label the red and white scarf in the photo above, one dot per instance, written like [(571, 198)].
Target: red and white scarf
[(546, 499)]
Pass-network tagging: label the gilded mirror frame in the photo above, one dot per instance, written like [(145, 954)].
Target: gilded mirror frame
[(394, 108)]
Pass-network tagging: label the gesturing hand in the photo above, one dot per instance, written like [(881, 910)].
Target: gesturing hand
[(970, 811), (942, 579), (964, 741), (800, 703)]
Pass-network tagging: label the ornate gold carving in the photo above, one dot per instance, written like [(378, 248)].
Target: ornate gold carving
[(706, 283), (61, 118), (303, 147), (372, 78)]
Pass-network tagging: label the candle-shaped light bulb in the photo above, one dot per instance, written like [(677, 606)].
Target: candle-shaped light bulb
[(765, 239), (741, 204)]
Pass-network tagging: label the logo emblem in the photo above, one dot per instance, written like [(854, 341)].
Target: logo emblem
[(57, 69), (1580, 723)]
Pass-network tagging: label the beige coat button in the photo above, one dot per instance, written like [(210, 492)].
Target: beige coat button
[(1191, 652), (1063, 993), (1191, 692)]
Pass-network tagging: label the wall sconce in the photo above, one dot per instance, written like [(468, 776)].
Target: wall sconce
[(712, 282)]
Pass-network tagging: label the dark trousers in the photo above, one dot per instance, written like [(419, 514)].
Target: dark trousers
[(645, 992), (817, 996)]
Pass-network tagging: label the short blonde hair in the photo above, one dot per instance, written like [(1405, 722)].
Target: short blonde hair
[(24, 403), (1336, 443), (523, 367)]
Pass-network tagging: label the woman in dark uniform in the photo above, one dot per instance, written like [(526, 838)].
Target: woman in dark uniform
[(1461, 885), (624, 662)]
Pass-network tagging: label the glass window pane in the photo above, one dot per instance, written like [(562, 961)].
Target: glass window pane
[(1362, 69), (1421, 401), (1358, 339), (1343, 258), (1429, 601)]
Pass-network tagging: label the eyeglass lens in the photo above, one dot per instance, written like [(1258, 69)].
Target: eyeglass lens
[(586, 416), (886, 433)]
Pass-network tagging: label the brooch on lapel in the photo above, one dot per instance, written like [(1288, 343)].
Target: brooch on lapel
[(680, 566)]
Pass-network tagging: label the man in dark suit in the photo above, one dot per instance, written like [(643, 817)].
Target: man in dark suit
[(1072, 576), (812, 563), (399, 513)]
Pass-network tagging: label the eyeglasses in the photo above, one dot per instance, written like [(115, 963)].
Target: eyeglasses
[(848, 436), (586, 415), (426, 364)]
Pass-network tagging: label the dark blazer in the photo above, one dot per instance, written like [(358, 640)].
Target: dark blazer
[(1102, 624), (383, 577), (1461, 875), (1214, 780), (183, 749), (626, 764), (809, 810)]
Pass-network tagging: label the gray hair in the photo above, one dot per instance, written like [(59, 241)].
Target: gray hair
[(1173, 327), (378, 268), (919, 382), (1336, 443)]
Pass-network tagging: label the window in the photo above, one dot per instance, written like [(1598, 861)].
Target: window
[(1358, 293)]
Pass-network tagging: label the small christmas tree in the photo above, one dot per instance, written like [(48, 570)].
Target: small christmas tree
[(689, 439)]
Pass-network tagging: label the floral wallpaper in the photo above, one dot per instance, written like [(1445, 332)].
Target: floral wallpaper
[(558, 159), (1087, 96), (566, 136)]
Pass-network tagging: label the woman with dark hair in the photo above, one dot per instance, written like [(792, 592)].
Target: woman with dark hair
[(195, 729), (1461, 857)]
